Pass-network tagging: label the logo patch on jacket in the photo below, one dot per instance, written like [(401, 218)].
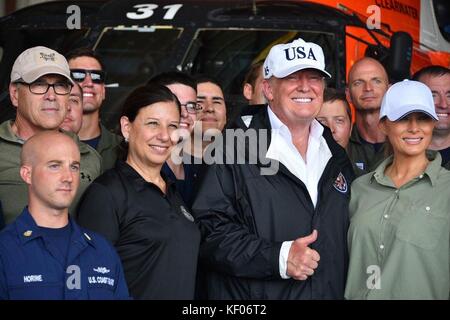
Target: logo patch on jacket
[(340, 184), (186, 214)]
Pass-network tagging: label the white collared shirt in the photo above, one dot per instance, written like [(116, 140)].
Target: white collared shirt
[(283, 150), (309, 172)]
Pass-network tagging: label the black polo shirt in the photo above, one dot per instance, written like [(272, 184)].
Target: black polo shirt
[(153, 232)]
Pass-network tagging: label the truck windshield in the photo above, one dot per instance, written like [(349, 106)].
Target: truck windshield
[(227, 54), (133, 55)]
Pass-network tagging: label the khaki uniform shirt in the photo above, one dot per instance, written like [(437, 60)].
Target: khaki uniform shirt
[(363, 155), (399, 237), (108, 147)]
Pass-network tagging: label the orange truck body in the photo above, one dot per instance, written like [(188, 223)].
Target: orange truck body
[(395, 16)]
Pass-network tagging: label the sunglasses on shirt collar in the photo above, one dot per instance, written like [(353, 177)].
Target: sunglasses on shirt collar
[(97, 76)]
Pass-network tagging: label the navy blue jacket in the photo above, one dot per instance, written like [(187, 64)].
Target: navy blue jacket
[(245, 216), (31, 268)]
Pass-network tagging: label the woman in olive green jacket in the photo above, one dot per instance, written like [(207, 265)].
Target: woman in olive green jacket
[(399, 230)]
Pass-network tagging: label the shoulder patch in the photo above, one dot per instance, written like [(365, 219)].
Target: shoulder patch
[(340, 184)]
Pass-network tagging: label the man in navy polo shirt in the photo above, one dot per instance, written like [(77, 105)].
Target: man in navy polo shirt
[(44, 254)]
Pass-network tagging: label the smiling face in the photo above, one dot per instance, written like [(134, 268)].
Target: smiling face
[(409, 136), (214, 112), (151, 136), (185, 94), (93, 93), (297, 97), (440, 88)]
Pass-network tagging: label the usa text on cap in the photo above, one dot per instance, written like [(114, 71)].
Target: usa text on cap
[(285, 59)]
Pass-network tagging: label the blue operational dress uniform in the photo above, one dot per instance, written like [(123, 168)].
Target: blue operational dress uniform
[(32, 267)]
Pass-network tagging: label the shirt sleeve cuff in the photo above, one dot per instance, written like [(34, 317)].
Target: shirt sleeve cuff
[(284, 254)]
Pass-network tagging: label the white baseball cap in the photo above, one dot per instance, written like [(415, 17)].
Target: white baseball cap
[(405, 97), (284, 59), (36, 62)]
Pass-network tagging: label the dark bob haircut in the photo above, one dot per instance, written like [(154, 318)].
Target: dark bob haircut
[(140, 98), (144, 96)]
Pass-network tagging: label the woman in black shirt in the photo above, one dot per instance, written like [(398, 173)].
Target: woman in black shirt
[(139, 210)]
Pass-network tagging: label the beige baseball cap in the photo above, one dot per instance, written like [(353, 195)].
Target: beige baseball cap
[(39, 61)]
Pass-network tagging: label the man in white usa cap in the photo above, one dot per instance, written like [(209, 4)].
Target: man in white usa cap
[(39, 90), (280, 236)]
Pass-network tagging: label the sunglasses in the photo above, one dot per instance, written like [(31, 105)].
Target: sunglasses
[(97, 76)]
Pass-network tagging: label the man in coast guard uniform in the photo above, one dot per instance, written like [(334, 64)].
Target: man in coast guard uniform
[(44, 254)]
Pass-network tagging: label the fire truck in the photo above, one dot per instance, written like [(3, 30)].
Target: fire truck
[(140, 38)]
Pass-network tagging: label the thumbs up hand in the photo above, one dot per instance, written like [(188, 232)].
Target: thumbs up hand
[(302, 260)]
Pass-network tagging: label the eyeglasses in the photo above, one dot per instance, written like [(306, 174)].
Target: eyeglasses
[(192, 107), (97, 76), (60, 88)]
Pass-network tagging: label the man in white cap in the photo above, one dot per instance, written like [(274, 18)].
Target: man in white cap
[(437, 78), (39, 89), (280, 236)]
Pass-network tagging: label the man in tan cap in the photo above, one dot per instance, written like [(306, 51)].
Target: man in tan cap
[(39, 89)]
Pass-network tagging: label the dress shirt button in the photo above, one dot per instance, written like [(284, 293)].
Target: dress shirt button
[(381, 246), (421, 176), (386, 216), (427, 208)]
